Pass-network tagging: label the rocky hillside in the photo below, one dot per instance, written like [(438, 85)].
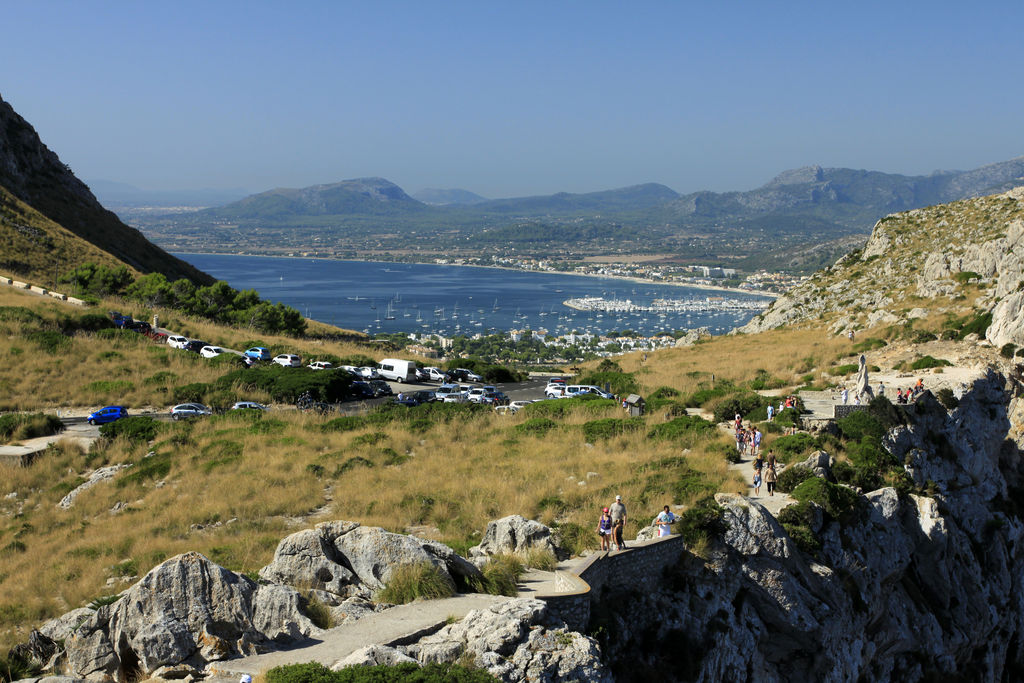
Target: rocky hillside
[(32, 173), (944, 266)]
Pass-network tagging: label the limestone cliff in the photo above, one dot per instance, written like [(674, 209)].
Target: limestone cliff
[(906, 588), (948, 259)]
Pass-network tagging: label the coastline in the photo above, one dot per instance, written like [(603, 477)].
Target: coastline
[(624, 278)]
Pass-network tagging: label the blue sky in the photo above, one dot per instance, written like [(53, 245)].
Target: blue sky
[(514, 98)]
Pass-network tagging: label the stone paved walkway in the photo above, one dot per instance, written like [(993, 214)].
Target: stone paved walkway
[(392, 626)]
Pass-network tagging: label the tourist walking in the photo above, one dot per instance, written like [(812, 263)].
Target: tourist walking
[(771, 412), (604, 529), (755, 440), (664, 522), (758, 466), (618, 513), (770, 478)]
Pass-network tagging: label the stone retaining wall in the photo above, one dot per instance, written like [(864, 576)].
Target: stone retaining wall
[(643, 562), (4, 280)]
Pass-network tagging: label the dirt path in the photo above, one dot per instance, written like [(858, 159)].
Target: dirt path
[(772, 503)]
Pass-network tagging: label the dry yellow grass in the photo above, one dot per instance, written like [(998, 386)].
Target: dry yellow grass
[(232, 490)]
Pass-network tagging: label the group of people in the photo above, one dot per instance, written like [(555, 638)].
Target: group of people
[(904, 397), (747, 440), (765, 470), (613, 520)]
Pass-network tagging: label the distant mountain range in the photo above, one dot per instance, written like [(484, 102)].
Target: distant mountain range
[(46, 209), (845, 198), (115, 194)]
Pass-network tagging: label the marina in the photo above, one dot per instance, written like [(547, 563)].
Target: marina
[(451, 300)]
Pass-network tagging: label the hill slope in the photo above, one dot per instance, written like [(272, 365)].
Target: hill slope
[(34, 174), (955, 259)]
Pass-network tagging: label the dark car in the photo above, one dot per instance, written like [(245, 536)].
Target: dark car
[(415, 398), (494, 398), (195, 345), (359, 390), (380, 387), (108, 414)]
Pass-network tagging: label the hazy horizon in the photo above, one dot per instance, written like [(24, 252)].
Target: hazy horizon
[(505, 101)]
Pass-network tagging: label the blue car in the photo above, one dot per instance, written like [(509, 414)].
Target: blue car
[(257, 353), (108, 414)]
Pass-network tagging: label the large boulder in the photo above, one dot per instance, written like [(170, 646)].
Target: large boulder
[(348, 560), (187, 610), (516, 641), (514, 534)]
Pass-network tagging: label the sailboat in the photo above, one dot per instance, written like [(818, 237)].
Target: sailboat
[(389, 315), (495, 305)]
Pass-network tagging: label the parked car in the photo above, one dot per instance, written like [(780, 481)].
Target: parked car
[(494, 398), (184, 411), (415, 398), (320, 365), (516, 406), (248, 405), (380, 387), (195, 345), (360, 390), (176, 341), (464, 375), (422, 375), (366, 372), (475, 394), (396, 370), (352, 370), (436, 374), (107, 414), (257, 353), (450, 393), (288, 360), (210, 351)]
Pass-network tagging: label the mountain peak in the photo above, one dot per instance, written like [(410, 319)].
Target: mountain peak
[(798, 176)]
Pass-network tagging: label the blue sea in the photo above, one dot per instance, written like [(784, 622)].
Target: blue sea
[(374, 297)]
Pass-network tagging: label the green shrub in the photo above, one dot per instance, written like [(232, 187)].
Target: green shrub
[(190, 393), (49, 341), (610, 427), (1008, 350), (139, 429), (859, 424), (788, 448), (153, 467), (316, 610), (844, 370), (399, 673), (805, 539), (750, 405), (501, 575), (415, 580), (619, 383), (682, 427), (536, 426), (664, 392), (869, 344), (839, 502), (162, 377), (764, 380), (925, 362), (560, 408), (351, 463), (702, 520), (965, 276), (17, 426), (789, 417), (946, 397), (705, 393), (16, 668), (791, 477)]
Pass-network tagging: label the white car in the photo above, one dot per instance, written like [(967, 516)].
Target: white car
[(210, 351), (435, 374), (516, 406), (367, 372), (320, 365), (176, 341), (288, 360), (475, 394), (248, 405)]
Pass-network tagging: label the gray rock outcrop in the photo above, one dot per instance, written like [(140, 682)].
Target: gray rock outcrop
[(516, 641), (349, 560), (189, 611), (514, 534)]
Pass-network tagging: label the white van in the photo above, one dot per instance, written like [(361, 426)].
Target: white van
[(397, 370)]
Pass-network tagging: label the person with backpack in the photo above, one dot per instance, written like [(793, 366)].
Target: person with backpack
[(618, 513)]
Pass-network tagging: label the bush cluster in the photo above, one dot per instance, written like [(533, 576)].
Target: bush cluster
[(680, 428), (314, 672), (609, 427), (138, 429), (16, 426), (750, 405), (415, 580)]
